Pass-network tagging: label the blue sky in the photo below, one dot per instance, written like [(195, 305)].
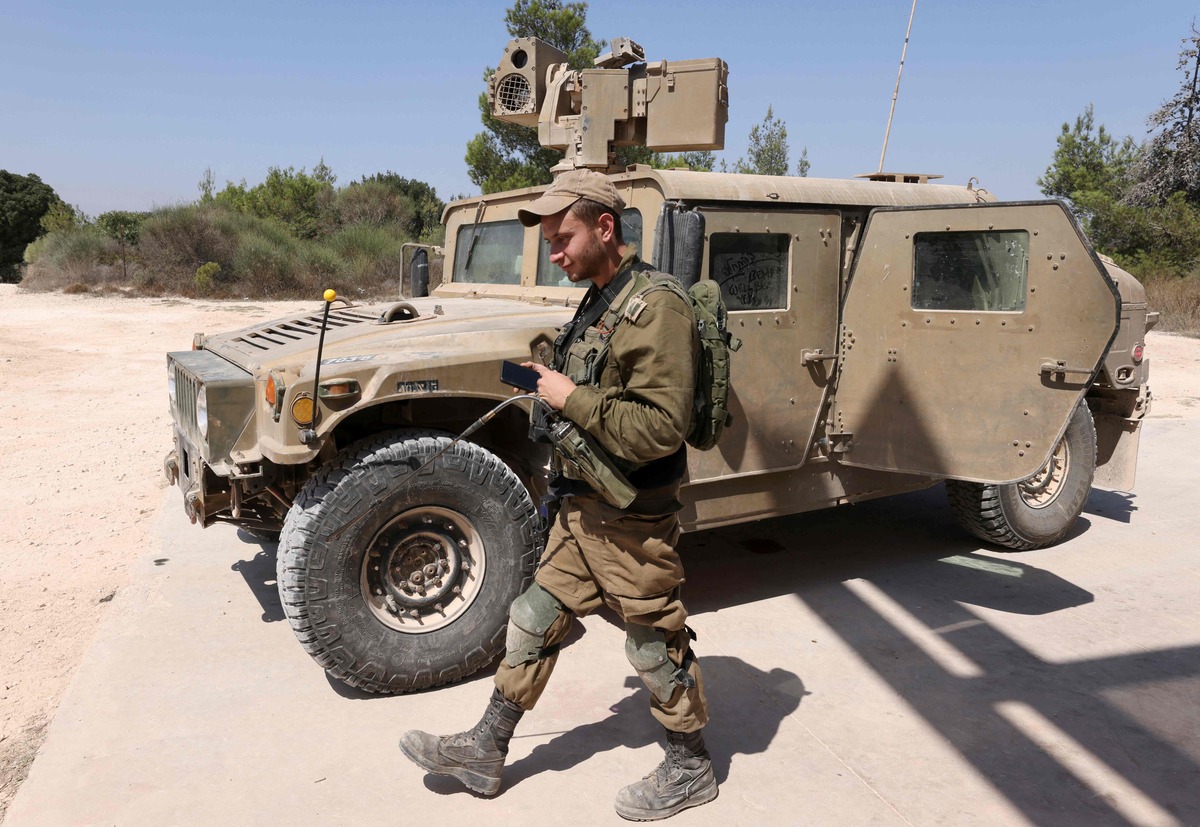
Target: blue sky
[(123, 104)]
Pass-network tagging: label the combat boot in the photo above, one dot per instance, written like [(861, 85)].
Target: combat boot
[(475, 757), (684, 779)]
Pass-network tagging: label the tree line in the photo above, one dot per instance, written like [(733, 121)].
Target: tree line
[(294, 233), (1139, 202)]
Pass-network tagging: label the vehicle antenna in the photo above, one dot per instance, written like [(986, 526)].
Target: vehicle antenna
[(896, 93), (309, 434)]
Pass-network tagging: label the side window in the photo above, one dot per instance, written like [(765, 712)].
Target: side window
[(495, 256), (751, 268), (551, 275), (970, 270)]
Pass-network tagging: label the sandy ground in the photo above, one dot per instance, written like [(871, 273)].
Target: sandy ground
[(83, 430)]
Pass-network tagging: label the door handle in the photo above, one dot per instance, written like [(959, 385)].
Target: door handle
[(1060, 366), (807, 357)]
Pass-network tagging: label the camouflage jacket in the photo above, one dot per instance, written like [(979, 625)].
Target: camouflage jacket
[(638, 403)]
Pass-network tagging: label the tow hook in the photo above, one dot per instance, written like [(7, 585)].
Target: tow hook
[(171, 467)]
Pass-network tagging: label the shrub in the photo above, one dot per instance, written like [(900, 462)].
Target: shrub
[(176, 240), (269, 261), (1178, 300), (322, 262), (60, 259), (206, 274), (371, 257), (374, 203)]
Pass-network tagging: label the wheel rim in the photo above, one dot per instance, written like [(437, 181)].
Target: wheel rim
[(1043, 488), (423, 569)]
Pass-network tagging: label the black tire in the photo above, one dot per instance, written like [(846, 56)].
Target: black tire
[(395, 581), (1039, 511)]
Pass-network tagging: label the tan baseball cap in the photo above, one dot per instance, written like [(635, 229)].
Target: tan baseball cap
[(568, 188)]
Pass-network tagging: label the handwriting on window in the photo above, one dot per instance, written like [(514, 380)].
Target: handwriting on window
[(751, 280)]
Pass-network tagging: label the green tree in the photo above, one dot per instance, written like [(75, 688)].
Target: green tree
[(298, 199), (63, 218), (124, 227), (1097, 174), (507, 156), (802, 163), (24, 200), (697, 161), (1088, 160), (426, 208), (207, 186), (767, 153), (1170, 159)]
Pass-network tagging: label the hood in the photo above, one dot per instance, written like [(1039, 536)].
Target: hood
[(443, 324)]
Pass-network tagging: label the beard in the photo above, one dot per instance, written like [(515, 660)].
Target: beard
[(590, 262)]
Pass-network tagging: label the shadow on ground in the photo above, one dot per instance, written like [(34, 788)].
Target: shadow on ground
[(911, 553), (1009, 713)]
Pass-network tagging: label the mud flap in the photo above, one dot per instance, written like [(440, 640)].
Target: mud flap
[(1117, 441)]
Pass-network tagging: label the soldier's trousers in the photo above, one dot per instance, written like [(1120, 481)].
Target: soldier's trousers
[(597, 554)]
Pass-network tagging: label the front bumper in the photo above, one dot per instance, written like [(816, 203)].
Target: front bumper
[(184, 466)]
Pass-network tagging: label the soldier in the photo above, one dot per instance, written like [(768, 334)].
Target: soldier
[(636, 403)]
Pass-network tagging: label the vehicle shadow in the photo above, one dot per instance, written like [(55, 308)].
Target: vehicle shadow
[(1113, 505), (862, 570), (259, 574), (890, 575)]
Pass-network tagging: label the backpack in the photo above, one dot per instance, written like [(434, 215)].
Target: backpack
[(710, 404)]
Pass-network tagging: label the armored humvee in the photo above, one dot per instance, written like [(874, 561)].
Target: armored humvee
[(897, 334)]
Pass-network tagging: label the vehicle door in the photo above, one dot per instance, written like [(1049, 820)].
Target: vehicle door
[(968, 336), (778, 273)]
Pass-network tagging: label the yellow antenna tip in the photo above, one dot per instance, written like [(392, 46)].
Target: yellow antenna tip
[(330, 295)]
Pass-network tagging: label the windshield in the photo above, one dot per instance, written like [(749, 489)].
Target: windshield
[(495, 255)]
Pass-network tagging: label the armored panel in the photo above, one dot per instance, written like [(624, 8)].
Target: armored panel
[(778, 273), (968, 336), (687, 104)]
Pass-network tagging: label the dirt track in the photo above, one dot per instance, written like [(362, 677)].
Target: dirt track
[(83, 430)]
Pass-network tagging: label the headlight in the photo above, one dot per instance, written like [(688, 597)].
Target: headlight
[(171, 383), (202, 411)]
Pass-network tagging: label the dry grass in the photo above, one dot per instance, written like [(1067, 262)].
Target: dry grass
[(1178, 300)]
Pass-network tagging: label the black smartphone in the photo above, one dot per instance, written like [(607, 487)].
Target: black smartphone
[(518, 377)]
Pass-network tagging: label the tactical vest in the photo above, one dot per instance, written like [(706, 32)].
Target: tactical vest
[(581, 355)]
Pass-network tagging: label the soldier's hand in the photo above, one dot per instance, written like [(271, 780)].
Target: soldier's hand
[(553, 386)]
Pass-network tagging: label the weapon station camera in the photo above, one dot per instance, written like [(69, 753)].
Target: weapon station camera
[(667, 106)]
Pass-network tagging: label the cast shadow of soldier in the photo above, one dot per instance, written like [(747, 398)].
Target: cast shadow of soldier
[(737, 728)]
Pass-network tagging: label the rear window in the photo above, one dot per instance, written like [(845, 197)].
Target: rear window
[(985, 271), (751, 268), (489, 253)]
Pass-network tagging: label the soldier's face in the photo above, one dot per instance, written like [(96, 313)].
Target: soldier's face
[(577, 248)]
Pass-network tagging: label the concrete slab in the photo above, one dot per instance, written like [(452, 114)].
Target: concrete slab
[(866, 665)]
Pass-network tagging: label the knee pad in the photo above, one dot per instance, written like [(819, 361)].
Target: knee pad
[(646, 648), (529, 618)]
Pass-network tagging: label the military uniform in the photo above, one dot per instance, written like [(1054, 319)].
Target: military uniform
[(631, 357), (638, 408)]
